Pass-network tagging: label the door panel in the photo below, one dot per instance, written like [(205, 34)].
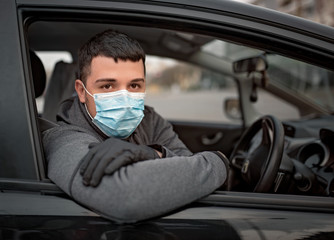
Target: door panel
[(208, 136)]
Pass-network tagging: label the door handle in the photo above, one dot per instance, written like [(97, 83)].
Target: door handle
[(211, 140)]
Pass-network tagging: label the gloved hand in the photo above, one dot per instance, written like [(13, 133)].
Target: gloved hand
[(229, 170), (106, 157)]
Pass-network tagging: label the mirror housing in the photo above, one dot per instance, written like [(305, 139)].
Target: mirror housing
[(253, 64), (232, 108)]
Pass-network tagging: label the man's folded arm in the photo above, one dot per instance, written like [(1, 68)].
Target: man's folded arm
[(150, 188), (135, 192)]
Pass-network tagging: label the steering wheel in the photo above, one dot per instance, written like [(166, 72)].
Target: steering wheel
[(254, 166)]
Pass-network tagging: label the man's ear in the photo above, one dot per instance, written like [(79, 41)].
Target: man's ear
[(80, 90)]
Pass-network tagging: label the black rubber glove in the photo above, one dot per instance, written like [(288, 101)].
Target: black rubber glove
[(106, 157)]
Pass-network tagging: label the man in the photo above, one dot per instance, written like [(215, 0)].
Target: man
[(115, 155)]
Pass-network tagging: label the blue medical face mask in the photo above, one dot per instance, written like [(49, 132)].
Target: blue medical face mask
[(118, 113)]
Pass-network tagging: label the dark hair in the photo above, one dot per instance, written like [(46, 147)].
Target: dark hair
[(109, 44)]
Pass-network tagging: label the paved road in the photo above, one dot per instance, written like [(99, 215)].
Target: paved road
[(208, 105)]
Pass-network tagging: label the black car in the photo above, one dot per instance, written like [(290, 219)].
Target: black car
[(256, 84)]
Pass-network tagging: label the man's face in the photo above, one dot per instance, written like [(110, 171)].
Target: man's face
[(108, 76)]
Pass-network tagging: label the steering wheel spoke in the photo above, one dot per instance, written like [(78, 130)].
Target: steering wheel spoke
[(257, 167), (239, 159)]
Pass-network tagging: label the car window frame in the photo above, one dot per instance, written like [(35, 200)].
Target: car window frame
[(18, 114), (211, 27)]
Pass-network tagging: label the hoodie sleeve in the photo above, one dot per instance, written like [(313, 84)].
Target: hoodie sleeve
[(135, 192), (151, 188)]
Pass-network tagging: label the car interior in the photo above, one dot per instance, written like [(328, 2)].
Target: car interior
[(266, 156)]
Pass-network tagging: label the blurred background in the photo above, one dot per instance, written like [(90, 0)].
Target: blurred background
[(321, 11)]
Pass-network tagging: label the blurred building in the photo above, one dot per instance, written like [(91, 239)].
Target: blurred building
[(321, 11)]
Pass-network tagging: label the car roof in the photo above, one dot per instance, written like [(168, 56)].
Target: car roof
[(226, 7), (256, 12)]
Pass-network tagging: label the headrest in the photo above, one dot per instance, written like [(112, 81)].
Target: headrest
[(38, 74)]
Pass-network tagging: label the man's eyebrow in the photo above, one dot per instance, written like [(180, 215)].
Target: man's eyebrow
[(114, 80), (105, 80), (138, 80)]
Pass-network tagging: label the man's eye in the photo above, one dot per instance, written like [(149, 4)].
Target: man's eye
[(107, 86), (134, 86)]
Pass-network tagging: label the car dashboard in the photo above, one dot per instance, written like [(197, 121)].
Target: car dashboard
[(309, 145)]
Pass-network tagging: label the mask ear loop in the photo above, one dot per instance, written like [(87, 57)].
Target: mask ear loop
[(85, 103), (86, 90), (88, 112)]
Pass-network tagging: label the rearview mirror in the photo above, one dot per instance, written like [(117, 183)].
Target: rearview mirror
[(253, 64)]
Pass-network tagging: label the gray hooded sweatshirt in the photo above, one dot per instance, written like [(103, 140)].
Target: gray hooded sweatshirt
[(138, 191)]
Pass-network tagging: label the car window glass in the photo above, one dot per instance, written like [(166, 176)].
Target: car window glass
[(307, 81), (269, 104), (297, 84), (183, 91), (229, 50)]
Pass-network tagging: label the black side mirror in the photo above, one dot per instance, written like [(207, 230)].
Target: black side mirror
[(232, 108), (253, 64)]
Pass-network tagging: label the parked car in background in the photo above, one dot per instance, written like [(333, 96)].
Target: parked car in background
[(253, 83)]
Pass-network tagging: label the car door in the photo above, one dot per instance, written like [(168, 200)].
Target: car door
[(204, 136), (21, 147)]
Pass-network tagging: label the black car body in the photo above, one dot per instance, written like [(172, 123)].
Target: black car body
[(32, 207)]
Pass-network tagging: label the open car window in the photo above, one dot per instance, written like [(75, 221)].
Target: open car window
[(186, 92), (191, 79)]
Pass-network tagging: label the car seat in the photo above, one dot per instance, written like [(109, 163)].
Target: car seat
[(39, 82), (38, 74), (39, 79), (60, 87)]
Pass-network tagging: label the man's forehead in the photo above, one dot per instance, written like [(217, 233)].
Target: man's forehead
[(106, 69)]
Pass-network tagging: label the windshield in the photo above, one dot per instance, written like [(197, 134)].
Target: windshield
[(305, 82), (309, 82)]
